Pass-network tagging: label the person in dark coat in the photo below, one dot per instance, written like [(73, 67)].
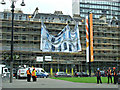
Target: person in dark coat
[(98, 74), (115, 75), (109, 74), (34, 75), (28, 75)]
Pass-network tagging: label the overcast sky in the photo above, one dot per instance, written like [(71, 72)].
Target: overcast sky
[(45, 6)]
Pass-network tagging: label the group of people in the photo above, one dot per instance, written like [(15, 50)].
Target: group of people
[(33, 74), (109, 75)]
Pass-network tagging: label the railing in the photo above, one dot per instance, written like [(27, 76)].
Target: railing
[(20, 48), (106, 54)]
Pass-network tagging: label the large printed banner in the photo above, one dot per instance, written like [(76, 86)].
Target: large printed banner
[(65, 41)]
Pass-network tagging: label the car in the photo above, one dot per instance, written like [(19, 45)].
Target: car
[(78, 74), (102, 73), (62, 74), (81, 74), (84, 74), (41, 75), (39, 70), (21, 73)]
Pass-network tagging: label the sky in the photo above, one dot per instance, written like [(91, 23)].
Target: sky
[(45, 6)]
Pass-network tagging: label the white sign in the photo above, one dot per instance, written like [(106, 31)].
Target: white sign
[(48, 58), (39, 59)]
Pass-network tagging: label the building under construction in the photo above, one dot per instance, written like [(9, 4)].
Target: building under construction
[(27, 39)]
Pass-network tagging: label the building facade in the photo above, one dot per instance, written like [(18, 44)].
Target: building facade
[(108, 8), (27, 34)]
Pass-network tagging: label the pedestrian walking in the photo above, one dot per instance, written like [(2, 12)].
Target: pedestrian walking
[(34, 75), (109, 74), (28, 75), (98, 74), (115, 75)]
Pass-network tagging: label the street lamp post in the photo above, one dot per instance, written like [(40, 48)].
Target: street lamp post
[(12, 6)]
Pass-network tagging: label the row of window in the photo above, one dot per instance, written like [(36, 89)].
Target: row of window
[(104, 2), (22, 42), (103, 11), (23, 37), (101, 52), (103, 34), (16, 17), (52, 18), (25, 17), (99, 6), (98, 16)]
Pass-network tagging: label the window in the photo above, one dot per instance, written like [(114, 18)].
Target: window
[(16, 42), (98, 34), (23, 29), (35, 42), (113, 35), (105, 35), (16, 37), (35, 38), (23, 42), (20, 17), (99, 41), (99, 52), (8, 29), (8, 36), (16, 30), (35, 30), (8, 42), (104, 45), (104, 51), (105, 41), (24, 37)]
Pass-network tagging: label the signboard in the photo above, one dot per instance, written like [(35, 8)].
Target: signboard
[(39, 59), (48, 58)]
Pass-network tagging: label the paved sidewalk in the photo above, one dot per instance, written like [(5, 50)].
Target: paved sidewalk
[(53, 83)]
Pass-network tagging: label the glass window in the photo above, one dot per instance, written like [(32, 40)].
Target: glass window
[(35, 42), (104, 41), (15, 37), (23, 29), (8, 36), (16, 30), (35, 38), (24, 37), (35, 30), (99, 41), (8, 29), (23, 42)]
